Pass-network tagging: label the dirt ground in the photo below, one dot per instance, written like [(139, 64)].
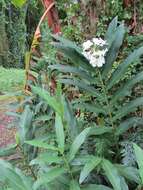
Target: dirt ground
[(7, 134)]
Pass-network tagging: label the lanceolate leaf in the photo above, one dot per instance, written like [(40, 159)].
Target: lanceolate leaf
[(125, 90), (25, 129), (49, 177), (79, 140), (8, 150), (14, 178), (139, 159), (94, 162), (75, 57), (60, 132), (111, 30), (122, 68), (70, 69), (129, 107), (51, 100), (41, 144), (114, 49), (70, 119), (95, 108), (100, 130), (129, 123), (112, 174), (46, 158), (130, 173), (66, 42), (81, 85)]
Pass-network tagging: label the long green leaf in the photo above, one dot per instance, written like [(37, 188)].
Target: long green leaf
[(127, 124), (60, 132), (50, 100), (94, 162), (95, 108), (130, 173), (75, 56), (71, 69), (122, 68), (48, 177), (125, 90), (7, 151), (41, 144), (100, 130), (112, 174), (129, 107), (139, 159), (46, 158), (114, 49), (70, 119), (25, 124), (79, 140), (14, 178), (81, 85), (109, 36)]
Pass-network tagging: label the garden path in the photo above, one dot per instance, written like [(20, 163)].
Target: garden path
[(6, 134)]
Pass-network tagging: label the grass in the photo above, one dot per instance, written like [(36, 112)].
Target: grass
[(11, 80)]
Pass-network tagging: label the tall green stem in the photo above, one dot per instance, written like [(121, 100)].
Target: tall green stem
[(106, 99)]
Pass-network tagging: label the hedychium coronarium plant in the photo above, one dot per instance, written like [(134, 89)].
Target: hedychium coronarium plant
[(98, 72)]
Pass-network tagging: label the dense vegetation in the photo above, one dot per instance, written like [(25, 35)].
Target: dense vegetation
[(81, 125)]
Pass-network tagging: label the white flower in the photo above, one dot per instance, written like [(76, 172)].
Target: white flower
[(87, 45), (99, 42), (95, 52)]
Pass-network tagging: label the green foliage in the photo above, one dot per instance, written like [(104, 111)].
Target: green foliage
[(76, 143), (11, 79)]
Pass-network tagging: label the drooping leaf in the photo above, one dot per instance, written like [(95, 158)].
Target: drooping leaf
[(41, 144), (100, 130), (79, 140), (75, 56), (122, 68), (60, 132), (139, 159), (81, 85), (49, 176), (112, 174), (50, 100), (89, 166), (95, 108), (127, 124), (14, 178), (66, 42), (46, 158), (127, 108), (71, 69), (7, 151), (130, 173), (125, 90)]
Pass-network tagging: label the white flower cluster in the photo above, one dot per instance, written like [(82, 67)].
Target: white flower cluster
[(94, 50)]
